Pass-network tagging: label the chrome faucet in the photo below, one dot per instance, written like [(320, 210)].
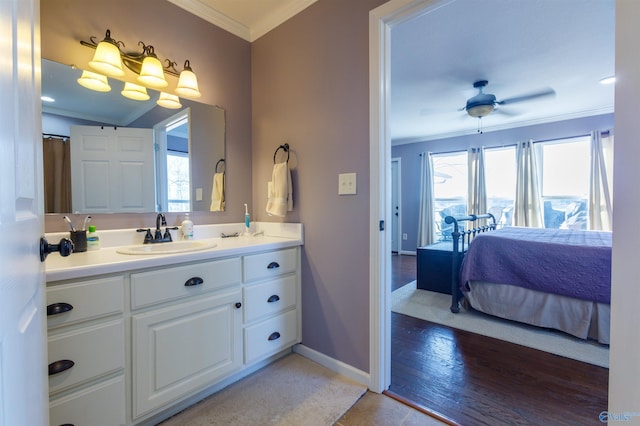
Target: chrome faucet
[(158, 237)]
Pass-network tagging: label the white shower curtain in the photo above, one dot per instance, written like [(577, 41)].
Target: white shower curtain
[(527, 209), (600, 185), (477, 197), (426, 229)]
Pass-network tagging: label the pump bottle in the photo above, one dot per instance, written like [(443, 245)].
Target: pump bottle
[(247, 221), (187, 228)]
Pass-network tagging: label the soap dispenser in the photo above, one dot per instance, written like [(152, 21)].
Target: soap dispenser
[(187, 228), (247, 221)]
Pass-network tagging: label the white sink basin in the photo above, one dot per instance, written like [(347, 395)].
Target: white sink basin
[(167, 248)]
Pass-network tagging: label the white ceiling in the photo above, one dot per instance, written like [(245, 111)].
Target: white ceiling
[(248, 19), (518, 46)]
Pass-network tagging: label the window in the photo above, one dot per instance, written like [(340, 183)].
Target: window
[(449, 189), (177, 181), (565, 169), (500, 183)]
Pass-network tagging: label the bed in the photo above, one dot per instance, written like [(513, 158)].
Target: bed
[(551, 278)]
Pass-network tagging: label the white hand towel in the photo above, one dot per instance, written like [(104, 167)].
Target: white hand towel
[(217, 193), (280, 191)]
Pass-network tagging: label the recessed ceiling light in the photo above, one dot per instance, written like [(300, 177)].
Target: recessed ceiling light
[(47, 99), (608, 80)]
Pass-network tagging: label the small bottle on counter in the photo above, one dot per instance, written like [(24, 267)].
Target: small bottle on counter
[(93, 239), (187, 228)]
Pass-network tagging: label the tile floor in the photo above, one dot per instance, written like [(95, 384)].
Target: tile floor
[(380, 410)]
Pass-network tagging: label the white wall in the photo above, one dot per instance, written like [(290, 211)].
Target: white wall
[(624, 375)]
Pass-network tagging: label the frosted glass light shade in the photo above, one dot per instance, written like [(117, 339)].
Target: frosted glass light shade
[(168, 100), (135, 92), (93, 81), (107, 59), (151, 73), (188, 83)]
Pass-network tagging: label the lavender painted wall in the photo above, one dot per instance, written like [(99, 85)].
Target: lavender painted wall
[(410, 160), (221, 60), (311, 89)]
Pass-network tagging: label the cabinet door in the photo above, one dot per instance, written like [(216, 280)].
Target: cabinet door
[(183, 348)]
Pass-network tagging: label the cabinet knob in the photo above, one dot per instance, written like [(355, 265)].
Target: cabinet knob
[(238, 305), (274, 336), (273, 265), (273, 298), (193, 281), (60, 366), (58, 308)]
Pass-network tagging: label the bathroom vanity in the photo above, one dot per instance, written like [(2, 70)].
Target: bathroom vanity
[(135, 338)]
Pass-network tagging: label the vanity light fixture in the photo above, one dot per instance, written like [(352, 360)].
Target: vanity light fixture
[(109, 59), (151, 72), (94, 81), (135, 92), (188, 83), (168, 100)]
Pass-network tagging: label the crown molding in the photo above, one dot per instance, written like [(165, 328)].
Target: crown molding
[(214, 17)]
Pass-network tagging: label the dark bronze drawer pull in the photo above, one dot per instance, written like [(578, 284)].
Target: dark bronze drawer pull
[(274, 336), (273, 265), (273, 298), (58, 308), (193, 281), (60, 366)]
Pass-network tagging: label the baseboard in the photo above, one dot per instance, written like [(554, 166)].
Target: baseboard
[(408, 252), (333, 364)]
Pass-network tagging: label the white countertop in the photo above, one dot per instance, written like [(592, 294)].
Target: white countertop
[(107, 260)]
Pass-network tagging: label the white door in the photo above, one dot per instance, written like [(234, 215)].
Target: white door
[(112, 170), (23, 361)]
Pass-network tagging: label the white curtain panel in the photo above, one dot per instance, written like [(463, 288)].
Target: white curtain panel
[(477, 197), (527, 209), (426, 228), (600, 186)]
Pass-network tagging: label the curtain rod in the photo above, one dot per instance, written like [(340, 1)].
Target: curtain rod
[(602, 132), (52, 135)]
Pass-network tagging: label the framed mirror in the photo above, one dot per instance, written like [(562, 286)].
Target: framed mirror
[(187, 149)]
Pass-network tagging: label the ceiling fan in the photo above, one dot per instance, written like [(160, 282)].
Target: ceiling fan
[(483, 104)]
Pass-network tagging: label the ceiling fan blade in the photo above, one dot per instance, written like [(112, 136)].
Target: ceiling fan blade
[(527, 97)]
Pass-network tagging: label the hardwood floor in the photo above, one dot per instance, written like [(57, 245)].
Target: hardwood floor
[(477, 380)]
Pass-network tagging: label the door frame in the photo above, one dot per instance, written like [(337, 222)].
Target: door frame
[(381, 21)]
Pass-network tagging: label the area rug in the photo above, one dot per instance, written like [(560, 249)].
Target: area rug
[(291, 391), (434, 307)]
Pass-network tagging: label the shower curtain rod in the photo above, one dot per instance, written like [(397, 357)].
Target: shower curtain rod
[(51, 135)]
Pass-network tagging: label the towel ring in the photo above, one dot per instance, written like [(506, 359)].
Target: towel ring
[(218, 163), (285, 147)]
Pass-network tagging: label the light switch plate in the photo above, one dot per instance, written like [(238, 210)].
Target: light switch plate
[(347, 184), (198, 194)]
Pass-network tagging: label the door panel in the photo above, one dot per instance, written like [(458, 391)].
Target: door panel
[(23, 363)]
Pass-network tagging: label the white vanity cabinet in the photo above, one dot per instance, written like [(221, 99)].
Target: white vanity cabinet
[(194, 340), (86, 350), (145, 339), (271, 294)]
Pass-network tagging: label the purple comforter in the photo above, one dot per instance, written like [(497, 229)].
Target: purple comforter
[(561, 261)]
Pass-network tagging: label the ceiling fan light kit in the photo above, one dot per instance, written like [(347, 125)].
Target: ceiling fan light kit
[(484, 104)]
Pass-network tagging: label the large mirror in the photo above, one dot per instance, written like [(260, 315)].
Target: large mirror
[(183, 167)]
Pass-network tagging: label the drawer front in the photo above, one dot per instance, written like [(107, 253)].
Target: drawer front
[(74, 302), (271, 297), (94, 351), (271, 336), (271, 264), (148, 288), (99, 405)]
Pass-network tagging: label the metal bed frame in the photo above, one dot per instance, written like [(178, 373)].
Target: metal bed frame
[(461, 241)]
